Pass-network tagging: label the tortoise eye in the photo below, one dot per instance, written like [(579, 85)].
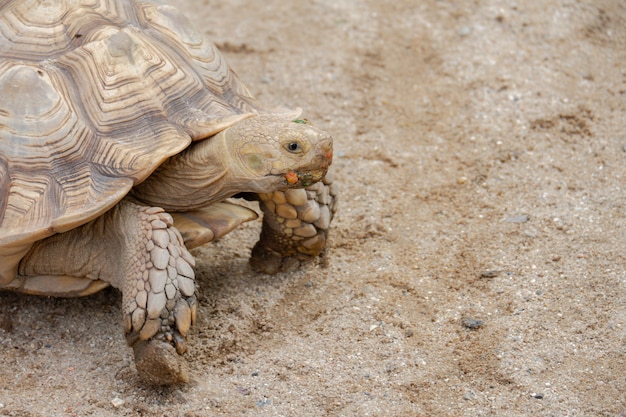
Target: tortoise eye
[(293, 147)]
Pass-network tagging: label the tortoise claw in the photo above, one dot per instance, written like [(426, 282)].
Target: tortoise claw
[(158, 363), (179, 343), (268, 261)]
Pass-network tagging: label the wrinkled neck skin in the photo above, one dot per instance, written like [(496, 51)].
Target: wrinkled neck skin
[(205, 173)]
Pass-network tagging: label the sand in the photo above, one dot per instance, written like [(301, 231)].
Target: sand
[(477, 263)]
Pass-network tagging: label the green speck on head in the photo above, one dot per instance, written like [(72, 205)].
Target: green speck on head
[(254, 161), (301, 121)]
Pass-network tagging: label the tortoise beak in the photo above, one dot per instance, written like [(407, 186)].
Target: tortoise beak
[(326, 152), (319, 166), (323, 160)]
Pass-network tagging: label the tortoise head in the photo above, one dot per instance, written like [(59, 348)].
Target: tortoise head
[(259, 154), (278, 153)]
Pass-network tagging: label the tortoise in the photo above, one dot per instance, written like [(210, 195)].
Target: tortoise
[(126, 140)]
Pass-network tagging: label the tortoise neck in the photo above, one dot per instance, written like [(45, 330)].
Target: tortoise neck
[(197, 177)]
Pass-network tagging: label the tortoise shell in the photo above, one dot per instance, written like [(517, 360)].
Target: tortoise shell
[(94, 96)]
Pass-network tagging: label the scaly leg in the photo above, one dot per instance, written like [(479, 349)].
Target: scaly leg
[(295, 226), (137, 250)]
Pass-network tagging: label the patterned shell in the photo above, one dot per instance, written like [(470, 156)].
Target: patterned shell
[(94, 95)]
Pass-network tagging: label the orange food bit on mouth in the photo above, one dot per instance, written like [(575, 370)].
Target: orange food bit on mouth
[(291, 177)]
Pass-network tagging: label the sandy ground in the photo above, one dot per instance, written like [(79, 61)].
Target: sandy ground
[(478, 260)]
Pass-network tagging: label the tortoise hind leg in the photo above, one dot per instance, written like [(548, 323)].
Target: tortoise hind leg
[(137, 250), (295, 227)]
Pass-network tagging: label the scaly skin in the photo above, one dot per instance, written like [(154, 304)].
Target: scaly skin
[(137, 250), (295, 226)]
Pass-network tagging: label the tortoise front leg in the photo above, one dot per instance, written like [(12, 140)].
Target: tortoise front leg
[(137, 250), (295, 226), (159, 296)]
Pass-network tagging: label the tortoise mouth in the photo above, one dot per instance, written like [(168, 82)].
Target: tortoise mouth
[(304, 179), (314, 171)]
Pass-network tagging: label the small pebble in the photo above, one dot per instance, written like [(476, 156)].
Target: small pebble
[(466, 30), (523, 218), (472, 323), (490, 274), (530, 232), (537, 395), (117, 402), (263, 402)]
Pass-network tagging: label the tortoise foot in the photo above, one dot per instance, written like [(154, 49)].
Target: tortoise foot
[(158, 363), (295, 227), (267, 261)]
